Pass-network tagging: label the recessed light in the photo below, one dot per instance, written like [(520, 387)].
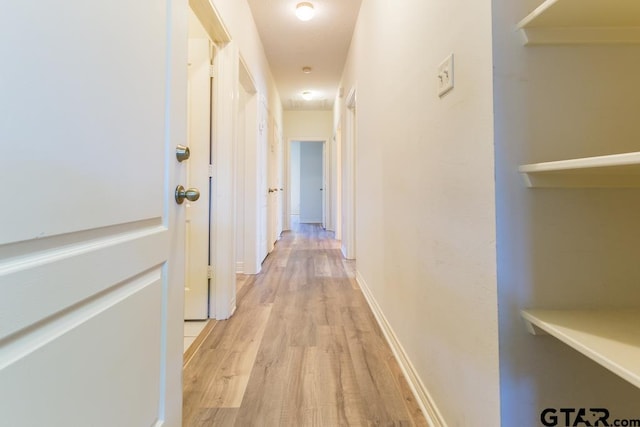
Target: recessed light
[(306, 70), (307, 95), (304, 11)]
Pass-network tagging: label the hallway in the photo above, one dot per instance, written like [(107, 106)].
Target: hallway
[(302, 349)]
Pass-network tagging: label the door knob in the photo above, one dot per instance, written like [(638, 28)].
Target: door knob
[(191, 194), (182, 153)]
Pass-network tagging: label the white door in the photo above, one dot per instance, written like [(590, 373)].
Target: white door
[(196, 303), (280, 177), (92, 99), (263, 149), (273, 185)]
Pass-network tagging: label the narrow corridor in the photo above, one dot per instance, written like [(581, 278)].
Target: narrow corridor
[(302, 349)]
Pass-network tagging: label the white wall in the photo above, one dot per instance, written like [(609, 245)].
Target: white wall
[(295, 177), (263, 108), (561, 248), (238, 19), (425, 233), (307, 124)]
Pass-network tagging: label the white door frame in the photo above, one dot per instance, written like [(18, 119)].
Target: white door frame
[(222, 296), (326, 196), (223, 225), (336, 188), (249, 217), (348, 245), (198, 226)]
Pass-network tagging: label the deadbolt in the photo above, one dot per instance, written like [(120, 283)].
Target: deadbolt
[(182, 153), (191, 194)]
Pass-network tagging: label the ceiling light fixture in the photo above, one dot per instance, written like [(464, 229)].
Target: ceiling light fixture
[(304, 11), (307, 95), (306, 70)]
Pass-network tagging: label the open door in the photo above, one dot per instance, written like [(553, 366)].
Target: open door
[(91, 238), (274, 184)]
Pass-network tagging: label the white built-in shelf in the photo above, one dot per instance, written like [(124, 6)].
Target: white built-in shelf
[(609, 337), (583, 22), (615, 170)]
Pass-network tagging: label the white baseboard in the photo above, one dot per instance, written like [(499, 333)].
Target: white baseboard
[(240, 267), (311, 221), (232, 307), (423, 398)]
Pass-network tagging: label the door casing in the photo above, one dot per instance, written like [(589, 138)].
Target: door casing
[(327, 189)]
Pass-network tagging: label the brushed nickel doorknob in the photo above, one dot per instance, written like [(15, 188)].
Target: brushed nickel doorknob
[(182, 153), (191, 194)]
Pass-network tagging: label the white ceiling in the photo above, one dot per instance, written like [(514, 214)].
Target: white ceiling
[(321, 43)]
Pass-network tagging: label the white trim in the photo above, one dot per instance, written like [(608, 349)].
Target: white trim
[(250, 161), (350, 100), (349, 168), (326, 168), (223, 224), (239, 267), (336, 187), (420, 392)]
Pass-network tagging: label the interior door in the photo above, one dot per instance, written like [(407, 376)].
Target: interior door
[(280, 184), (92, 99), (196, 304), (263, 149), (274, 186)]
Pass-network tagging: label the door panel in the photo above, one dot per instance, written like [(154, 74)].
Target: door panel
[(273, 174), (42, 282), (77, 95), (124, 390), (91, 242)]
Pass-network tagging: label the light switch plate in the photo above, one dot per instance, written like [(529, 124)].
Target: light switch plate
[(445, 75)]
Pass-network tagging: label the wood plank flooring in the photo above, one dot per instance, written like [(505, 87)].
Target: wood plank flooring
[(302, 349)]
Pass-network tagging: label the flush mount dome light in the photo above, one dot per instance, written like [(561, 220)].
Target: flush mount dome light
[(306, 70), (304, 11), (307, 95)]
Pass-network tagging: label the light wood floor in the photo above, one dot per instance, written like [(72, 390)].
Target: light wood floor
[(302, 349)]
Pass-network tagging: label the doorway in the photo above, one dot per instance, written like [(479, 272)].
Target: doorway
[(249, 170), (348, 183), (307, 190)]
